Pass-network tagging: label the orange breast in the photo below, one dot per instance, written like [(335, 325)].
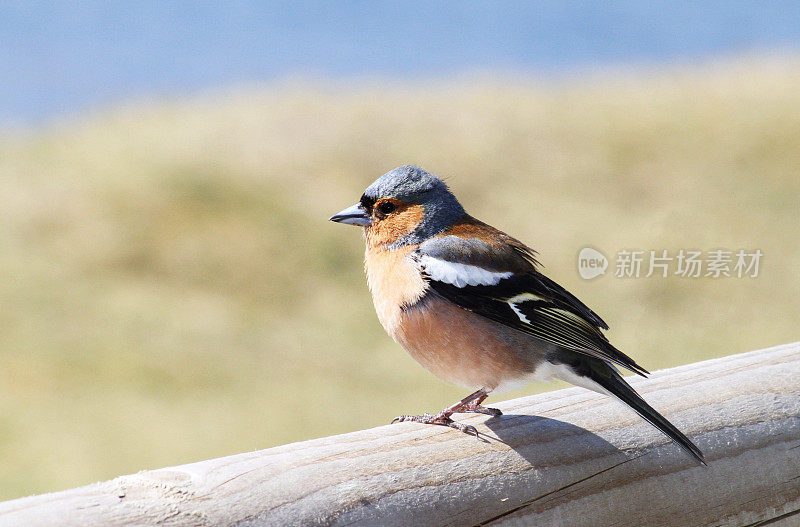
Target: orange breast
[(464, 348), (395, 281)]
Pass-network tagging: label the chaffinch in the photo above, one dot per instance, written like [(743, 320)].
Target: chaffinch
[(467, 302)]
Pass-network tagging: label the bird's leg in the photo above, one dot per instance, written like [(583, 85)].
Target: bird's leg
[(470, 403)]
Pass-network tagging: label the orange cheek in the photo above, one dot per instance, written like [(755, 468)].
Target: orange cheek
[(398, 224)]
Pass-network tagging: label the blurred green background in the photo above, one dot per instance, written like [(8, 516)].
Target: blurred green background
[(171, 290)]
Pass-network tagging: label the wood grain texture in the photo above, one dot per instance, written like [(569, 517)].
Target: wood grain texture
[(569, 457)]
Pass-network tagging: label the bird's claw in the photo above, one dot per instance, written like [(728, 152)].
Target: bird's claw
[(437, 419), (469, 429), (494, 412)]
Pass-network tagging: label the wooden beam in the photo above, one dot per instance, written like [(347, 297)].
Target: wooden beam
[(569, 457)]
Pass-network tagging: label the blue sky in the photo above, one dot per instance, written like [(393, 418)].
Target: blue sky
[(59, 58)]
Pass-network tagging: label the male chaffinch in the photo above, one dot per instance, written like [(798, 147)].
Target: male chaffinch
[(467, 302)]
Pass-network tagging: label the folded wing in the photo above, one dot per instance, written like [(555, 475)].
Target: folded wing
[(500, 281)]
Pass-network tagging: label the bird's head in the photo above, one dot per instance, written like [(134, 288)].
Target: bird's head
[(405, 206)]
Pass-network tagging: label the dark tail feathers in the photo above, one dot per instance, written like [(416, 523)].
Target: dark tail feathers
[(608, 377)]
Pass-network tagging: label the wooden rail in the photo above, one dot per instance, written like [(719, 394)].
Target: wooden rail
[(569, 457)]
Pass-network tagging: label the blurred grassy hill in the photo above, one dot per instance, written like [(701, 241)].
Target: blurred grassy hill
[(170, 289)]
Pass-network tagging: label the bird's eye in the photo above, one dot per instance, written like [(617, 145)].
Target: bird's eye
[(387, 207)]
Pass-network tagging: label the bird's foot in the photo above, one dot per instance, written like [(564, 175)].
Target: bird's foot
[(442, 419), (478, 409), (470, 403)]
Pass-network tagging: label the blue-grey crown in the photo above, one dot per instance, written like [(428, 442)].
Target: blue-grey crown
[(412, 184), (407, 183)]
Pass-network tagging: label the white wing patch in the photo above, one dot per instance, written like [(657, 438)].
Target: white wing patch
[(458, 274), (512, 302)]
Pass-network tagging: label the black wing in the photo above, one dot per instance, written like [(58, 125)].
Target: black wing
[(527, 301)]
